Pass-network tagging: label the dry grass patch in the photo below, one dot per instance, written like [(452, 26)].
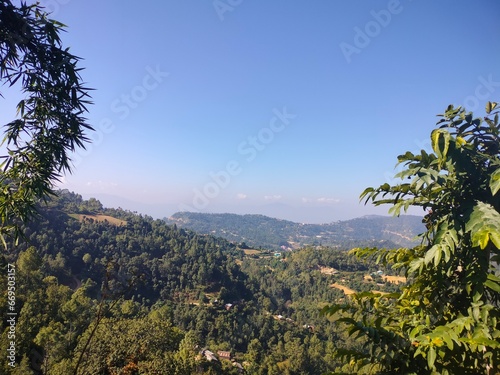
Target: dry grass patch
[(107, 218), (347, 291)]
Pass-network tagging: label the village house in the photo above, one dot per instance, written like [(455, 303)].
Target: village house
[(224, 354)]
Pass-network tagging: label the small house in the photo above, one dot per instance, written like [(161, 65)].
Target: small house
[(224, 354)]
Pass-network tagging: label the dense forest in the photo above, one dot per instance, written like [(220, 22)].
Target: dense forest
[(108, 291)]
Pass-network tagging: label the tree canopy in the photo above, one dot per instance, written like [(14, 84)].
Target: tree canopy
[(50, 122), (89, 288), (446, 320)]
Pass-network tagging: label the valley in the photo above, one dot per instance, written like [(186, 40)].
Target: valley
[(271, 233), (194, 293)]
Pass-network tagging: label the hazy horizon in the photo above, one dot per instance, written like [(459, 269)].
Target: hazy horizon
[(313, 215)]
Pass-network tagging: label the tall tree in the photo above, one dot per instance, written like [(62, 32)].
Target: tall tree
[(446, 320), (50, 123)]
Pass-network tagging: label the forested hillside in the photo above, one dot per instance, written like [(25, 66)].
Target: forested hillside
[(263, 231), (108, 291)]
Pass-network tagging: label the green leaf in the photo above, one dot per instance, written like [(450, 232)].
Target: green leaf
[(492, 285), (447, 339), (330, 310), (490, 106), (495, 182), (484, 225), (482, 238), (431, 357), (493, 282), (441, 142), (407, 156), (433, 254), (495, 238), (416, 265)]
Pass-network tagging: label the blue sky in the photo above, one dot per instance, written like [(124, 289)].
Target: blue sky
[(286, 108)]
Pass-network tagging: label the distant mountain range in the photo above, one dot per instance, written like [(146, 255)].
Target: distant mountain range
[(266, 232)]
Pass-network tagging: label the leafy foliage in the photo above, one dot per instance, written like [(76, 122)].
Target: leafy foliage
[(446, 320), (50, 123)]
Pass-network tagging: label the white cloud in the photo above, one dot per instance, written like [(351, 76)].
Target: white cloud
[(101, 184), (241, 196), (272, 197), (322, 200), (328, 200)]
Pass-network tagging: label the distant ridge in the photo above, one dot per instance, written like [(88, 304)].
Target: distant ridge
[(266, 232)]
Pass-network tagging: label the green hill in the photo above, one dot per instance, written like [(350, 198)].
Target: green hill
[(262, 231), (110, 291)]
